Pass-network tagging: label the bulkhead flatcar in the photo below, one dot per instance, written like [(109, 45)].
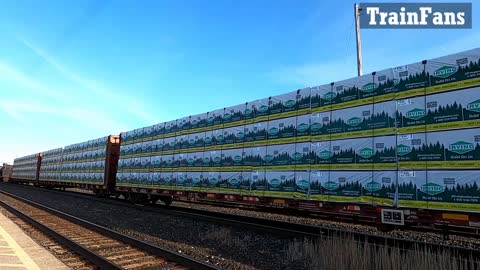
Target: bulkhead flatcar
[(91, 164), (404, 139)]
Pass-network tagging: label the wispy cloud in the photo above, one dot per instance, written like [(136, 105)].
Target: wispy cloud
[(461, 43), (314, 73), (10, 73), (56, 103), (66, 101), (311, 74), (84, 117), (95, 87), (17, 109)]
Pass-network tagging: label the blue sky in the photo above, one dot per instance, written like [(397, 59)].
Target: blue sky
[(77, 70)]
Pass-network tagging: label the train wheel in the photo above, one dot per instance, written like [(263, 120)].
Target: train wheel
[(385, 227), (138, 198), (167, 200), (154, 200)]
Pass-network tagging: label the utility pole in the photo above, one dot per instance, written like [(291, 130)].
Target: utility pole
[(357, 11)]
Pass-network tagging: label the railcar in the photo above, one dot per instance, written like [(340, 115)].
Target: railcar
[(25, 169), (399, 146), (90, 165)]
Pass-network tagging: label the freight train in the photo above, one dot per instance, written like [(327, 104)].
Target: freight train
[(399, 146), (5, 172)]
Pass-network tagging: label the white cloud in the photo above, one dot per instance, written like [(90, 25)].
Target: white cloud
[(33, 105), (10, 73), (18, 109), (84, 117), (461, 43), (311, 74), (53, 126), (95, 87), (314, 74)]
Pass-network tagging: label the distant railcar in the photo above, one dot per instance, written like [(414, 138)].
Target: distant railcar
[(6, 172), (90, 165)]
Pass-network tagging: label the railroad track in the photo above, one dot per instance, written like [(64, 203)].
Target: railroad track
[(471, 232), (102, 247), (287, 229), (71, 259), (436, 228), (297, 230)]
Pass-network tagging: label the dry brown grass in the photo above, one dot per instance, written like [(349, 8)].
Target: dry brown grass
[(343, 254), (225, 237), (339, 254)]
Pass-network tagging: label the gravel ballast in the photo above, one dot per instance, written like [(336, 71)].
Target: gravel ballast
[(432, 237), (225, 246)]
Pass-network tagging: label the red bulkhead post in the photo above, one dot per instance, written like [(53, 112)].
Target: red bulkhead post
[(111, 162)]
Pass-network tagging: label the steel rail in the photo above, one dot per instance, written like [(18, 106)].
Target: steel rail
[(95, 258), (286, 229)]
